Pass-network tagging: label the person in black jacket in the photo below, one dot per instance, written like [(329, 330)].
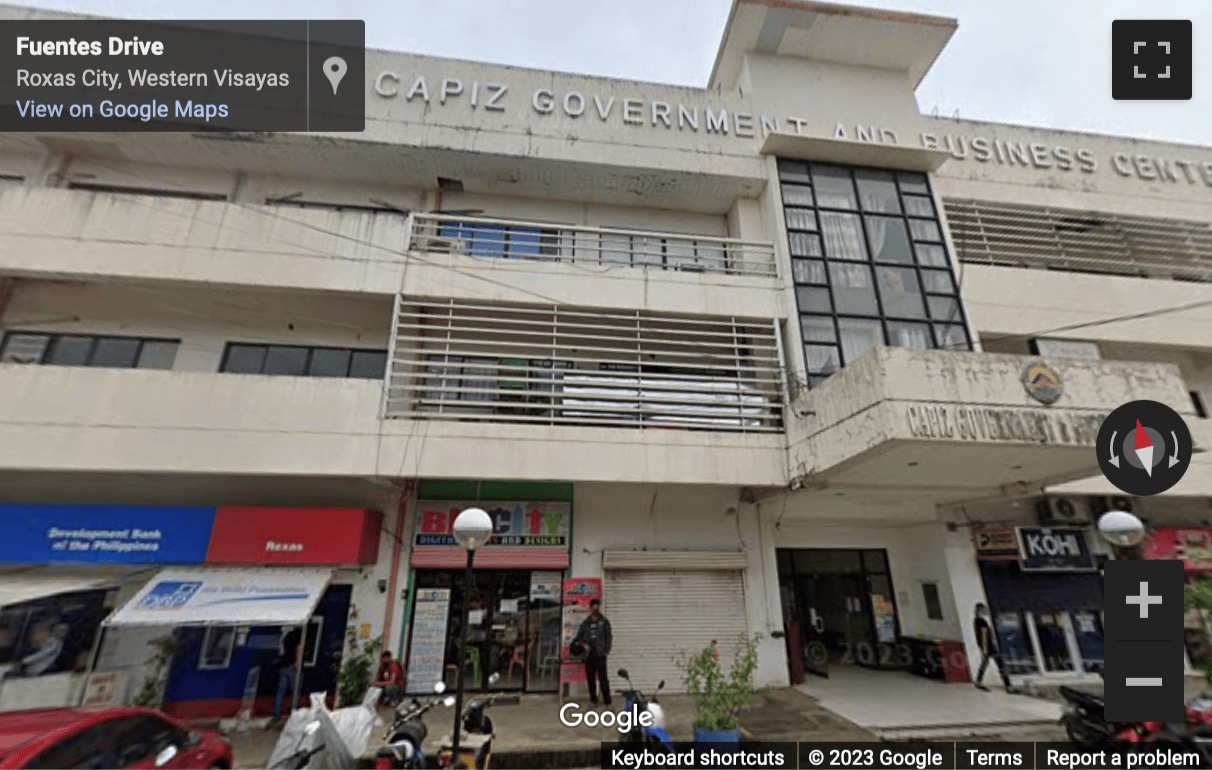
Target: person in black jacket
[(595, 635), (986, 639)]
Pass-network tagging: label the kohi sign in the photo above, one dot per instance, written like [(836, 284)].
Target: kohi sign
[(1054, 550)]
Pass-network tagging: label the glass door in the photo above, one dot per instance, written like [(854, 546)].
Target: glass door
[(506, 629), (1053, 641)]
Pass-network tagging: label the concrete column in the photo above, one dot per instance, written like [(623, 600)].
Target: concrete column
[(762, 600), (966, 585)]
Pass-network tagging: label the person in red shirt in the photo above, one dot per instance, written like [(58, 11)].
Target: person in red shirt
[(391, 678)]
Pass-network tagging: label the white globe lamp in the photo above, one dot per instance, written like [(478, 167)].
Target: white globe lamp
[(1121, 528), (472, 528)]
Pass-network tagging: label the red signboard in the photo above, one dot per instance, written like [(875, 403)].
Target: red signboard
[(1192, 545), (331, 536), (578, 592)]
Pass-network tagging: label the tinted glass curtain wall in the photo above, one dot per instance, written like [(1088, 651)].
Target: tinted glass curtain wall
[(869, 264)]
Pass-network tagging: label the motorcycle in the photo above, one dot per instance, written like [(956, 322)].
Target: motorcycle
[(301, 756), (1086, 724), (475, 742), (635, 702), (407, 732)]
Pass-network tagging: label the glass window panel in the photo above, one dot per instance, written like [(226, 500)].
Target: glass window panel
[(818, 329), (329, 362), (616, 248), (70, 351), (794, 171), (853, 288), (652, 251), (901, 292), (711, 256), (488, 240), (858, 335), (951, 336), (932, 254), (875, 561), (801, 219), (813, 300), (914, 183), (117, 352), (843, 236), (244, 359), (919, 206), (834, 188), (368, 364), (943, 308), (280, 359), (158, 354), (805, 245), (524, 241), (925, 230), (909, 335), (817, 379), (822, 359), (888, 239), (797, 195), (937, 281), (808, 270), (24, 348), (877, 191)]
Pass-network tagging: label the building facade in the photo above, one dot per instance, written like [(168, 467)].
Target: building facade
[(782, 357)]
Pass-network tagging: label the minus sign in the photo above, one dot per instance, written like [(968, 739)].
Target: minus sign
[(1143, 681)]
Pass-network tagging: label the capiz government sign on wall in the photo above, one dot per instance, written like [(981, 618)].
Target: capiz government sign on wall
[(514, 524), (135, 534)]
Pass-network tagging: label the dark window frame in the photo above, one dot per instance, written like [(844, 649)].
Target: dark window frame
[(94, 339), (265, 347), (908, 185)]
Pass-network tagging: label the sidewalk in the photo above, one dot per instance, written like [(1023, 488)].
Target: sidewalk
[(531, 735)]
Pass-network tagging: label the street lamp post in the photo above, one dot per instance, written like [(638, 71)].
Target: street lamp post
[(472, 528), (1122, 530)]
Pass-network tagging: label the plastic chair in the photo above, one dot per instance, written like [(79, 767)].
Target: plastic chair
[(518, 658)]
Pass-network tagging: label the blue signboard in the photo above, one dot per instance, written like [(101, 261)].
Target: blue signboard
[(104, 534)]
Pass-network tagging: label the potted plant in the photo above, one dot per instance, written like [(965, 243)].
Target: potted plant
[(719, 697), (357, 668)]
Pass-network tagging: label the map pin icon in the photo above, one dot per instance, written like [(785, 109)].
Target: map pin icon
[(335, 69)]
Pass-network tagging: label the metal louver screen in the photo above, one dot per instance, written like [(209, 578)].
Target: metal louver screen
[(547, 365), (1039, 237)]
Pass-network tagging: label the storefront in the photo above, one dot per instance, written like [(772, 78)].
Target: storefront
[(1192, 545), (110, 552), (514, 611), (1045, 596)]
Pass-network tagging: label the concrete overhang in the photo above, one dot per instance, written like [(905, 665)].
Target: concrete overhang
[(842, 34), (819, 148), (961, 426)]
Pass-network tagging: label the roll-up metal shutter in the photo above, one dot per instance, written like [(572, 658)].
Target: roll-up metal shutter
[(659, 616)]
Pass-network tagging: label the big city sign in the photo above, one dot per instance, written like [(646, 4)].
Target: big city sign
[(721, 120)]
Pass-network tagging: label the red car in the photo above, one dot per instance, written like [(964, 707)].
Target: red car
[(106, 738)]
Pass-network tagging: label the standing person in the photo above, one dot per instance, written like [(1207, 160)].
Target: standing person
[(987, 641), (391, 678), (290, 663), (595, 634)]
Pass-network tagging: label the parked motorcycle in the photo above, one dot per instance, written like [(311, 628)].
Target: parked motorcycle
[(475, 742), (1086, 724), (402, 748), (301, 756), (636, 702)]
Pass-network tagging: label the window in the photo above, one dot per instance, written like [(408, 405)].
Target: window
[(218, 643), (934, 607), (92, 747), (498, 240), (299, 361), (88, 350), (1197, 401), (869, 263), (311, 642), (138, 739)]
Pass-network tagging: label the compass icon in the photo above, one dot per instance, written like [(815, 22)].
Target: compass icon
[(1144, 448)]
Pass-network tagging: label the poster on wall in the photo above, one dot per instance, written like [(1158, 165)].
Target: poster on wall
[(577, 594), (885, 619), (427, 653), (545, 586)]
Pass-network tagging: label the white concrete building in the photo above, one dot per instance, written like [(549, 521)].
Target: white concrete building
[(753, 354)]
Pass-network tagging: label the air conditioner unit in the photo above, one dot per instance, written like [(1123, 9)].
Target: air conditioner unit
[(1100, 505), (439, 245), (1063, 511)]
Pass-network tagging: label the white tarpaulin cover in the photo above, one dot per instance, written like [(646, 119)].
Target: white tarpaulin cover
[(272, 596), (30, 585)]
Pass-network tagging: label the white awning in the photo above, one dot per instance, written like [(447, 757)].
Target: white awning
[(29, 585), (225, 597)]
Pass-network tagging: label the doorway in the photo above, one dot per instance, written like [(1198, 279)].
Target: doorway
[(513, 628), (841, 602)]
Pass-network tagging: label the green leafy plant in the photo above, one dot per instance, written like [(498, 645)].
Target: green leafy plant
[(719, 698), (164, 648), (357, 668), (1198, 596)]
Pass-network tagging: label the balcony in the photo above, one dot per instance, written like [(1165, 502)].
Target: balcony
[(142, 421), (509, 239)]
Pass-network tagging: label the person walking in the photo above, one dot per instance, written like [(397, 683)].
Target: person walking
[(986, 640), (290, 663), (596, 636)]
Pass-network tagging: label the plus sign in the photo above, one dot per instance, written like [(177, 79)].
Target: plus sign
[(1144, 600)]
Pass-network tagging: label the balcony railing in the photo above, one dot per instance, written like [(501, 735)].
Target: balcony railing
[(506, 239), (464, 360)]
